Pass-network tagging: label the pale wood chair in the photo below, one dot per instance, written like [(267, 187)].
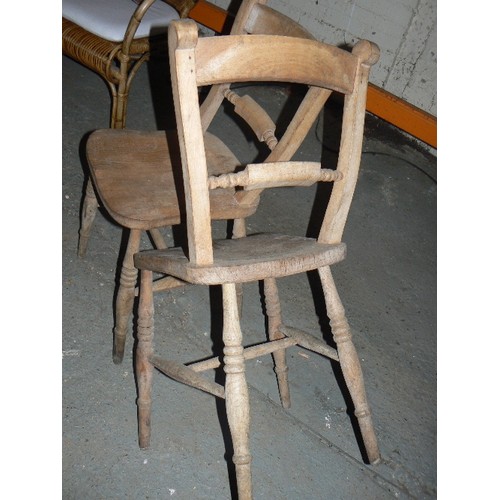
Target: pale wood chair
[(197, 62), (134, 173), (114, 38)]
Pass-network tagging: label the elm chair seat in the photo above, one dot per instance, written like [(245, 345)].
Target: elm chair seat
[(151, 162), (256, 257)]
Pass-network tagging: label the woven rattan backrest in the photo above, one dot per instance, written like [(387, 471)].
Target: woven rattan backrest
[(196, 62)]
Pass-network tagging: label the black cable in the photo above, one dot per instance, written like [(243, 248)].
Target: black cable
[(420, 169), (401, 159)]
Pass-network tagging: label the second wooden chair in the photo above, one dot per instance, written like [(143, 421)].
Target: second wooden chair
[(137, 175)]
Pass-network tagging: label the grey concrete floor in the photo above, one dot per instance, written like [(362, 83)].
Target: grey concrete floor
[(388, 287)]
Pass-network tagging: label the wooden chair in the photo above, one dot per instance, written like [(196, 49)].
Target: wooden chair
[(114, 38), (135, 177), (197, 62)]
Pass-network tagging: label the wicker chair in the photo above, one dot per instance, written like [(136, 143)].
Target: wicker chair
[(114, 38)]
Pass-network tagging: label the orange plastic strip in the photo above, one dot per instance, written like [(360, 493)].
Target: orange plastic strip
[(211, 16), (381, 103), (402, 114)]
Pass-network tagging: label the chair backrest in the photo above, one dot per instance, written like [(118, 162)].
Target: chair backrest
[(196, 62)]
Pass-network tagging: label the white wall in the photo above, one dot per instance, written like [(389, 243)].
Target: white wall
[(405, 31)]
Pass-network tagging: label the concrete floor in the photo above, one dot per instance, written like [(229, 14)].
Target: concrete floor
[(387, 284)]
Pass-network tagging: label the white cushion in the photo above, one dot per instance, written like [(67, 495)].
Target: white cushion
[(109, 18)]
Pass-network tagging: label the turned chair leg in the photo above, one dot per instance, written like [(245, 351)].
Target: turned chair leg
[(144, 369), (89, 210), (273, 312), (349, 363), (236, 391), (125, 295)]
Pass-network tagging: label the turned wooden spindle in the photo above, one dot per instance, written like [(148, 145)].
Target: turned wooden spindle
[(256, 117), (275, 174)]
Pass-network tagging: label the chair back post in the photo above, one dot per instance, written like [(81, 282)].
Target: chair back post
[(351, 142), (182, 44)]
